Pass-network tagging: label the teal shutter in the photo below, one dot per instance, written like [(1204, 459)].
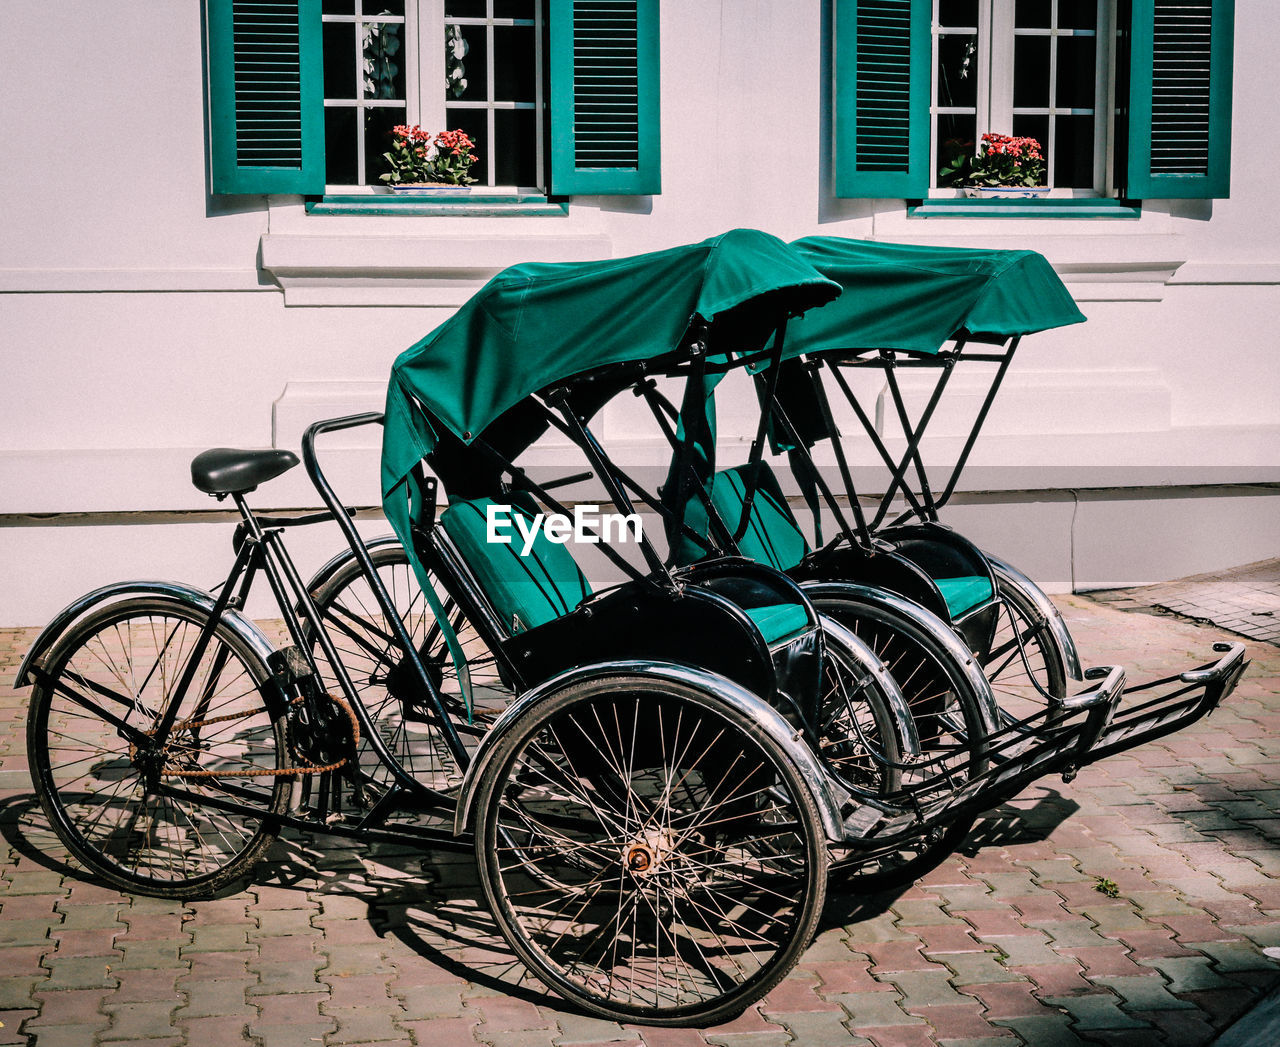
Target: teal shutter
[(604, 97), (266, 96), (881, 106), (1180, 99)]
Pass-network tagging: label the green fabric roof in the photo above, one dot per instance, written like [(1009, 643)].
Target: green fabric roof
[(914, 298), (538, 323)]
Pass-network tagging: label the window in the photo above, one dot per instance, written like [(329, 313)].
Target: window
[(1131, 97), (1039, 69), (487, 81), (302, 92)]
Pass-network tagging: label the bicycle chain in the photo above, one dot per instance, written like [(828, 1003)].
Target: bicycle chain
[(263, 772)]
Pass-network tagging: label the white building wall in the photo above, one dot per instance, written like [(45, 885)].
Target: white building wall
[(142, 321)]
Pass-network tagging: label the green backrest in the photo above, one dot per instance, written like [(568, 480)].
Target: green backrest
[(525, 591), (964, 593), (772, 537)]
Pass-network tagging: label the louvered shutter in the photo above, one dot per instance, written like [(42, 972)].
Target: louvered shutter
[(266, 96), (604, 97), (881, 106), (1180, 99)]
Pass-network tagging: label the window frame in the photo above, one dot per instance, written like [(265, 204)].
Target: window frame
[(994, 110)]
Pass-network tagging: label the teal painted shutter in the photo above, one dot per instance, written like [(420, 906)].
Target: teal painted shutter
[(881, 107), (604, 97), (266, 96), (1180, 99)]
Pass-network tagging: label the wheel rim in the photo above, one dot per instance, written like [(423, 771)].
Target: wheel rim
[(144, 811), (363, 637), (652, 862), (1024, 676)]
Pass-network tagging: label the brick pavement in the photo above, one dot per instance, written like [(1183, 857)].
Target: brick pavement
[(1008, 942)]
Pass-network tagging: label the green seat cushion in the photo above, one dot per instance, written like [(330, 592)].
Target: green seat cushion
[(525, 591), (779, 622), (963, 594), (772, 537)]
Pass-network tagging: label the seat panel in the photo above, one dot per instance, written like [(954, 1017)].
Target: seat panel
[(525, 591)]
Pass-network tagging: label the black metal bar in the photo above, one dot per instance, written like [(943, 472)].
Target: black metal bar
[(161, 733), (1004, 361), (595, 454), (914, 437), (762, 430), (361, 554), (895, 470), (837, 445)]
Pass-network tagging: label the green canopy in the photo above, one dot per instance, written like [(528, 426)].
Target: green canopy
[(539, 323), (913, 298)]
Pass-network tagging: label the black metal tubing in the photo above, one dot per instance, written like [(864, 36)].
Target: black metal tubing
[(352, 536), (1004, 362)]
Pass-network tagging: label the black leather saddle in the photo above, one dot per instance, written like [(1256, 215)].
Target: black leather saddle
[(226, 470)]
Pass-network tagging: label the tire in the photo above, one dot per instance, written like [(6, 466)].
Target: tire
[(358, 628), (860, 738), (122, 823), (648, 851), (1024, 664), (950, 721), (948, 710)]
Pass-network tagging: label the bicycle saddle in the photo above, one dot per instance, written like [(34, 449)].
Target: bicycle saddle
[(226, 470)]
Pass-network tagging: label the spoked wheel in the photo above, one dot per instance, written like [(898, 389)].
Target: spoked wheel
[(1024, 664), (368, 648), (180, 818), (648, 851), (860, 736), (950, 721)]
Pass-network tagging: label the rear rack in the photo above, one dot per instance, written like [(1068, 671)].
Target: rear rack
[(1058, 739)]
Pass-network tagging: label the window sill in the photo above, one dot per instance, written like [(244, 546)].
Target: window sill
[(487, 206), (965, 207)]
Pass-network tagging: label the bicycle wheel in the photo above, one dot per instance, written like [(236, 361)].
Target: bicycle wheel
[(183, 820), (949, 711), (950, 721), (649, 852), (860, 738), (1024, 665), (372, 656)]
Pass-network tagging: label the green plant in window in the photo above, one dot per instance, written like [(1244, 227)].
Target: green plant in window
[(455, 50), (1002, 160), (381, 43), (416, 157)]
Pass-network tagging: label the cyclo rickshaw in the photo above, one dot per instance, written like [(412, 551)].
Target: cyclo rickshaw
[(651, 809)]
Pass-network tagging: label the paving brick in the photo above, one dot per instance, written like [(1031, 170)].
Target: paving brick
[(81, 972), (963, 1021), (1145, 994), (870, 1010), (1096, 1011), (360, 1025), (898, 956), (16, 993), (139, 1021), (819, 1028), (1006, 999), (925, 989), (979, 968), (11, 1025), (71, 1007), (1043, 1030)]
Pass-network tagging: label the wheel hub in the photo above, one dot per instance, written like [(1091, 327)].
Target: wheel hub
[(644, 856)]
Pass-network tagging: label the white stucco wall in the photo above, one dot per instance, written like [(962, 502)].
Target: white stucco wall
[(138, 327)]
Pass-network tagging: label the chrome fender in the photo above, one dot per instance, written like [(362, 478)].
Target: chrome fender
[(1052, 616), (828, 795), (926, 620), (64, 619)]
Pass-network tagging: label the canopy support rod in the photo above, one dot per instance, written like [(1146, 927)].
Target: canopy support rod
[(604, 469), (1005, 360), (896, 474), (794, 435), (914, 437), (837, 445), (762, 430)]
